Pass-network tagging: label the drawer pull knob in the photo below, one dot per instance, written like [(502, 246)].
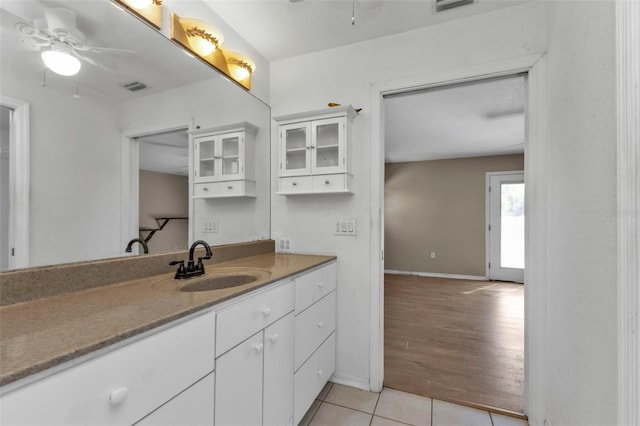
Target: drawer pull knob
[(294, 183), (274, 338), (320, 373), (229, 187), (117, 396), (321, 284), (205, 189), (326, 182), (266, 311), (258, 347), (320, 324)]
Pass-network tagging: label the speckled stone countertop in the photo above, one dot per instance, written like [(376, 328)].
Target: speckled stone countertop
[(42, 333)]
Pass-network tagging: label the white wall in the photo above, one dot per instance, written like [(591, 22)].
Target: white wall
[(74, 207), (345, 75), (214, 103), (581, 185)]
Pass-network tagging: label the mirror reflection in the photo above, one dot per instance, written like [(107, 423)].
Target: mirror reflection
[(109, 150)]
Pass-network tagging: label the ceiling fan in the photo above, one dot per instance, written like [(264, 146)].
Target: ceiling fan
[(61, 42)]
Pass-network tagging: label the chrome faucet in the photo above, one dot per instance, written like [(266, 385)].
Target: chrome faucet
[(192, 269), (137, 240)]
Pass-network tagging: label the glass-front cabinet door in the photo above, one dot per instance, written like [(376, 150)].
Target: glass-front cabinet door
[(205, 152), (296, 149), (327, 148), (231, 161)]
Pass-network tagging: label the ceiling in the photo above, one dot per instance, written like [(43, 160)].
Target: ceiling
[(470, 120), (156, 61), (281, 29), (165, 152), (464, 121)]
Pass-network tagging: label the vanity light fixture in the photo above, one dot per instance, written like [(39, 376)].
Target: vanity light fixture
[(240, 67), (203, 39), (61, 62), (149, 10)]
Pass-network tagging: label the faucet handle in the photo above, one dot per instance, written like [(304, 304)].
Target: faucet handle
[(181, 272)]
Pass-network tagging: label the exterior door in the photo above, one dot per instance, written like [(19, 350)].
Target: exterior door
[(505, 226)]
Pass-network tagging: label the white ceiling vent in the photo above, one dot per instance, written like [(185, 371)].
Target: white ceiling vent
[(134, 86), (450, 4)]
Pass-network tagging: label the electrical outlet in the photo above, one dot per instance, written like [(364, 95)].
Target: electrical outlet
[(210, 225), (433, 254), (283, 245)]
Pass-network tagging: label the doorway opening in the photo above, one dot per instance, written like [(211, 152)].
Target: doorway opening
[(163, 190), (449, 333), (15, 186)]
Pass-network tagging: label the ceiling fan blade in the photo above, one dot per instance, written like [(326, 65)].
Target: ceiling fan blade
[(32, 44), (97, 49), (95, 63)]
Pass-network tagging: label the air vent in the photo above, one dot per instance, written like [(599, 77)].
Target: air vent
[(134, 86), (450, 4)]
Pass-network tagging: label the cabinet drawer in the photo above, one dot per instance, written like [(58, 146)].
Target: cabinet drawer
[(296, 184), (236, 188), (313, 326), (121, 386), (312, 376), (193, 407), (203, 190), (312, 286), (247, 317), (329, 183)]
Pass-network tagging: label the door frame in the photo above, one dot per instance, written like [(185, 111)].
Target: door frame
[(19, 181), (488, 218), (628, 209), (535, 232), (130, 182)]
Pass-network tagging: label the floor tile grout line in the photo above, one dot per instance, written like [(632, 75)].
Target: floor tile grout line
[(431, 422), (491, 418), (349, 408)]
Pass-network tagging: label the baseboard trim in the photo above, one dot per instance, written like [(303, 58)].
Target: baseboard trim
[(358, 383), (437, 275)]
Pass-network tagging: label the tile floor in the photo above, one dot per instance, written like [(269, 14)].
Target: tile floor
[(339, 405)]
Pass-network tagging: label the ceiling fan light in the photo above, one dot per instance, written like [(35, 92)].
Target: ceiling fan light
[(61, 63)]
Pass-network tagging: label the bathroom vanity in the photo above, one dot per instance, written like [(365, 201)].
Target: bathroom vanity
[(146, 352)]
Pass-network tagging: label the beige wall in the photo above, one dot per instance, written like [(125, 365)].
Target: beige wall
[(164, 195), (439, 206)]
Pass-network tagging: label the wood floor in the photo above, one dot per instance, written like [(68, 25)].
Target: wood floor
[(455, 340)]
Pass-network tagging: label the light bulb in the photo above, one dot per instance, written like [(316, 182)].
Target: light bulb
[(140, 4), (202, 46), (61, 62), (240, 67)]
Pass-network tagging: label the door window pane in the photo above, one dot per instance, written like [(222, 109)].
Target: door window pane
[(512, 225)]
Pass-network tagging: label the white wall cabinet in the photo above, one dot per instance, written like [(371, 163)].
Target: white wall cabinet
[(122, 386), (223, 161), (254, 376), (315, 152)]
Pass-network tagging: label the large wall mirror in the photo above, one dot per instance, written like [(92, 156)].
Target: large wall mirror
[(109, 148)]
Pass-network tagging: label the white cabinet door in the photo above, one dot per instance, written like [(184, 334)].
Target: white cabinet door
[(231, 150), (193, 407), (295, 149), (206, 159), (238, 399), (328, 146), (278, 372)]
